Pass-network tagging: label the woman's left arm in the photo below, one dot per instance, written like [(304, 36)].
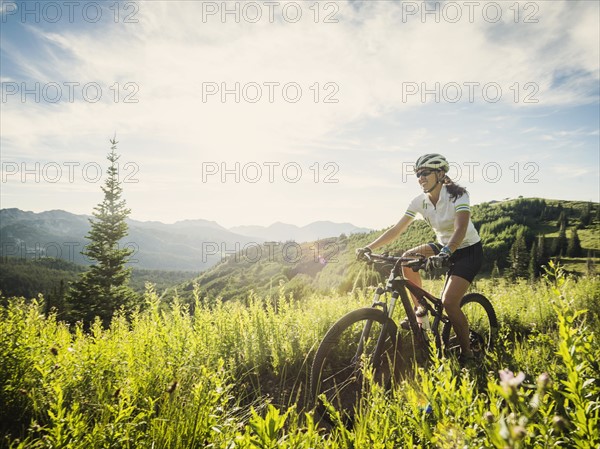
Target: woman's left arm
[(461, 222)]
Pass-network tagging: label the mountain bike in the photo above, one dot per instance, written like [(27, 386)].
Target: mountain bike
[(368, 339)]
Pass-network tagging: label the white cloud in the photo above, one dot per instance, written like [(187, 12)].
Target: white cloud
[(569, 171), (372, 57)]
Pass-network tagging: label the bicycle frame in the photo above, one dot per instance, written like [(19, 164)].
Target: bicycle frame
[(436, 310), (398, 285)]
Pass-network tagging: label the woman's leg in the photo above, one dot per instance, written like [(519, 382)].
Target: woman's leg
[(414, 276), (455, 289)]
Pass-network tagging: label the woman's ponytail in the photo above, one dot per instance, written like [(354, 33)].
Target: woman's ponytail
[(454, 189)]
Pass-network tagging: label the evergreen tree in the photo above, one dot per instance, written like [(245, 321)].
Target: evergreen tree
[(103, 289), (542, 255), (586, 215), (562, 221), (54, 301), (533, 263), (574, 245), (519, 257), (543, 210), (558, 211), (559, 246)]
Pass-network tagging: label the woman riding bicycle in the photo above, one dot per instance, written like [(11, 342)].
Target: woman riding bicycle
[(445, 206)]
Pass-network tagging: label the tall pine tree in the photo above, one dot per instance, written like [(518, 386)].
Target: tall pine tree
[(562, 221), (533, 264), (574, 245), (518, 257), (542, 254), (559, 246), (586, 215), (103, 289)]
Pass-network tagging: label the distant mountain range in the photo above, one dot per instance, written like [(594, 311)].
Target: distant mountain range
[(311, 232), (192, 245)]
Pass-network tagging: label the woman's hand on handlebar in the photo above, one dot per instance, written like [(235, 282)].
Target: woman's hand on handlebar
[(438, 261), (363, 253)]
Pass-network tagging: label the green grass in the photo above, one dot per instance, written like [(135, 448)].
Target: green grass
[(233, 375), (589, 238)]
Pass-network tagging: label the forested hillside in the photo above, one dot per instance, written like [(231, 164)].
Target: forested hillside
[(51, 277), (519, 236)]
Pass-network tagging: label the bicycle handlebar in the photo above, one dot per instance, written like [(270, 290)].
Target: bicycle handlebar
[(417, 261)]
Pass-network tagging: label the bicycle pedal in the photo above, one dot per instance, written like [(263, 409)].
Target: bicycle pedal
[(404, 324), (421, 312)]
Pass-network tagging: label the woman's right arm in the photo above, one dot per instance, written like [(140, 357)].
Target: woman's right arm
[(391, 234)]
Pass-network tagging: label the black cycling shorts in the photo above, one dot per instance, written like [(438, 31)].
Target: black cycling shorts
[(464, 262)]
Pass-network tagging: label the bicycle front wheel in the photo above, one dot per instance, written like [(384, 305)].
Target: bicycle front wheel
[(347, 350), (483, 325)]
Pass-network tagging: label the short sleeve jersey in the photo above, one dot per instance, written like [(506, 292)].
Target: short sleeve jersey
[(441, 216)]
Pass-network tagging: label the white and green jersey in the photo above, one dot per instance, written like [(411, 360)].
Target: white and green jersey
[(441, 216)]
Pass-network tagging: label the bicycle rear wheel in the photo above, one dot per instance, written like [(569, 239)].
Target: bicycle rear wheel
[(345, 352), (483, 325)]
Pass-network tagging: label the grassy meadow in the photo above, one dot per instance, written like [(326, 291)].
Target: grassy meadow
[(234, 375)]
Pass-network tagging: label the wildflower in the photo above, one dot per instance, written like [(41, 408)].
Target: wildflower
[(509, 381), (543, 381), (489, 417)]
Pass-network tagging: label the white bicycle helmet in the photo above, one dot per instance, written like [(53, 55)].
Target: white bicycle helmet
[(432, 160)]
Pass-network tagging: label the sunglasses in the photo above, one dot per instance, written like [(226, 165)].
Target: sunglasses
[(425, 173)]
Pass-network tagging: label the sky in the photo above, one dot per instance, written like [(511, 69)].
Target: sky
[(250, 113)]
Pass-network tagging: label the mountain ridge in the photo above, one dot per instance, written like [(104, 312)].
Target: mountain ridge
[(192, 244), (310, 232)]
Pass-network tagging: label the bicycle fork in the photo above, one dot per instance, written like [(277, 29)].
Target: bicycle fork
[(420, 342), (387, 311)]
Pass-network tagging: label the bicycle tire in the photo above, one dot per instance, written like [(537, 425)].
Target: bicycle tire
[(338, 374), (483, 325)]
